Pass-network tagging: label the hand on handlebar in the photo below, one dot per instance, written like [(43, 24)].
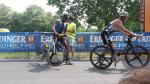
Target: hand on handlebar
[(137, 36), (62, 35)]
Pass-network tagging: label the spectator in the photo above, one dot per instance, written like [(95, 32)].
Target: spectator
[(71, 29)]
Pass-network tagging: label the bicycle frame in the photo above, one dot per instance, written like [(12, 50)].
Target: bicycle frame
[(52, 45), (122, 51)]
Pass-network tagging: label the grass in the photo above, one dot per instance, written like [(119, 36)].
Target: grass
[(17, 55), (32, 55), (25, 55)]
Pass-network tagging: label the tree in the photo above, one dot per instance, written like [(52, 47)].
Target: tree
[(5, 16), (17, 22), (97, 12), (33, 19), (81, 29), (133, 7)]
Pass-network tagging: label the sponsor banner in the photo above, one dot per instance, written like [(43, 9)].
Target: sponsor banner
[(85, 41), (17, 41), (88, 40)]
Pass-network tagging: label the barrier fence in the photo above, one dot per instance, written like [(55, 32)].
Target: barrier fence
[(85, 41)]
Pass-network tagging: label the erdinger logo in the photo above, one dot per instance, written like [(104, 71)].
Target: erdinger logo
[(80, 39), (30, 39)]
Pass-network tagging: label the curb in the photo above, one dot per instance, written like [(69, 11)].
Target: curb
[(17, 60)]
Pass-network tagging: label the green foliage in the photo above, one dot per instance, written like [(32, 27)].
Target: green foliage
[(35, 19), (98, 12), (133, 7), (5, 16), (93, 12), (81, 29), (133, 26), (17, 20)]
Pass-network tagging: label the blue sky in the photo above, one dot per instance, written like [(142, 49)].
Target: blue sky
[(21, 5)]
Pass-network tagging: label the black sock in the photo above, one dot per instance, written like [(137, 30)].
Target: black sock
[(67, 58)]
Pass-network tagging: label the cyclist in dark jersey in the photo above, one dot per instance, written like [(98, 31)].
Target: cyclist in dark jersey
[(116, 26), (59, 28)]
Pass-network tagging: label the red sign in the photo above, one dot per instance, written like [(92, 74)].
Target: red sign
[(142, 10)]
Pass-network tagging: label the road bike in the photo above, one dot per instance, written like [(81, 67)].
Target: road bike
[(103, 56), (52, 52)]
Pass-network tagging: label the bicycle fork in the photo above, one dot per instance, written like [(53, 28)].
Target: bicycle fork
[(54, 49)]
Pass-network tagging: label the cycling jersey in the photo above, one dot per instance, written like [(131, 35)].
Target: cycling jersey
[(70, 30), (113, 28), (109, 29), (60, 27)]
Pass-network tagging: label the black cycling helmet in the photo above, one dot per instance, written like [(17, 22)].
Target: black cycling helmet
[(64, 17), (71, 18)]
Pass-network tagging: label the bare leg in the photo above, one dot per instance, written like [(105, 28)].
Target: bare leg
[(72, 51), (66, 50)]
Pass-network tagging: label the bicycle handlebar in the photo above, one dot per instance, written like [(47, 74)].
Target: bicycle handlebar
[(130, 37), (62, 35)]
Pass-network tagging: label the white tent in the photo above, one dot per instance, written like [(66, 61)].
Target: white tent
[(4, 30)]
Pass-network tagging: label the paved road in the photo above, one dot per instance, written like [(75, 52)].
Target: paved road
[(40, 73)]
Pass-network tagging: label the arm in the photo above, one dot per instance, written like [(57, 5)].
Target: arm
[(53, 26), (125, 31), (122, 29)]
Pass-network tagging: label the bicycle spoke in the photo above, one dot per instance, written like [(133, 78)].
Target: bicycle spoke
[(106, 60), (132, 59), (140, 61), (100, 63), (96, 53), (137, 57), (97, 62)]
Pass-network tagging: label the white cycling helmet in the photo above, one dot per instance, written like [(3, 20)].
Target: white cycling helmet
[(123, 13)]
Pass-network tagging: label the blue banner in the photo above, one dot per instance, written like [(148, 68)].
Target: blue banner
[(88, 40), (85, 41)]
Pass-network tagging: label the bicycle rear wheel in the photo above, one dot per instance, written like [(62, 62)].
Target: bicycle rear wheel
[(137, 56), (57, 55), (41, 53), (101, 57)]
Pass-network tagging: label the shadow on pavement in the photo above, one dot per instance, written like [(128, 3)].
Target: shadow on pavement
[(36, 67), (128, 67), (109, 70)]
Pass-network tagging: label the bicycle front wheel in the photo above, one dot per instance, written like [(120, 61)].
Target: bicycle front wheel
[(57, 55), (137, 56), (101, 57)]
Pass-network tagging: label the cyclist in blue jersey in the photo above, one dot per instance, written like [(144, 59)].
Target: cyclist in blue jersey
[(59, 28)]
